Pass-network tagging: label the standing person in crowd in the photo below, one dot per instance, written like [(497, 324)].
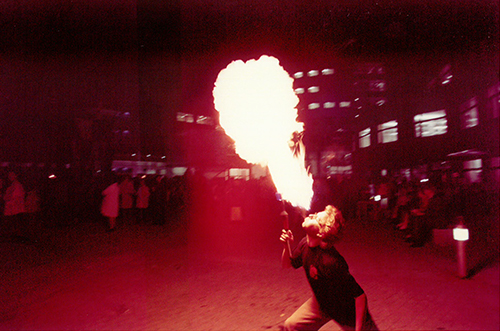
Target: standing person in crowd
[(111, 203), (419, 227), (159, 200), (142, 202), (33, 208), (401, 212), (14, 208), (336, 294), (127, 193)]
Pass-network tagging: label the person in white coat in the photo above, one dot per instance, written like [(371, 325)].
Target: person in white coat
[(111, 204), (142, 202)]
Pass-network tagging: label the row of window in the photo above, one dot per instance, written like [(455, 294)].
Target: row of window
[(198, 119), (311, 89), (329, 105), (435, 123), (426, 125), (372, 86), (314, 73), (367, 69), (345, 104)]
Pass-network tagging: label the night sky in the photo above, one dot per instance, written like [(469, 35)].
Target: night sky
[(58, 59)]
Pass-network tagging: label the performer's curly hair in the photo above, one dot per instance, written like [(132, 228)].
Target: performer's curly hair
[(330, 228)]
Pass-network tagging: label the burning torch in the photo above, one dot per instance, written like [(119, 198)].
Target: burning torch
[(284, 217)]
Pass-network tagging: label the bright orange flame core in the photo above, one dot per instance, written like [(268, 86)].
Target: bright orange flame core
[(256, 103)]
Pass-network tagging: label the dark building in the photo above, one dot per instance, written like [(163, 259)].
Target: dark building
[(411, 117), (437, 116), (326, 109)]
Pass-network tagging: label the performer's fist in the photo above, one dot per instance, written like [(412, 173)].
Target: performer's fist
[(286, 235)]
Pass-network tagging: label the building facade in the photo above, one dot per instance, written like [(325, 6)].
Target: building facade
[(414, 118)]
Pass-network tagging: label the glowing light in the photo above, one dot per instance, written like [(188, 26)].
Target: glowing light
[(460, 234), (256, 102)]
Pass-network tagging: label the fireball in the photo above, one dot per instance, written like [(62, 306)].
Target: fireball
[(256, 104)]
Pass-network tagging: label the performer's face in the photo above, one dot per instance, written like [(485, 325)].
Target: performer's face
[(313, 220), (311, 226)]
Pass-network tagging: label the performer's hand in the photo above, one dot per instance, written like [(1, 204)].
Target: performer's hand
[(286, 235)]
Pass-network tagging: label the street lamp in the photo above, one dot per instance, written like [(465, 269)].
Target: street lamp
[(461, 236)]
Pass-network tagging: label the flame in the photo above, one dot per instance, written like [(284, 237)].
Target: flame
[(256, 103)]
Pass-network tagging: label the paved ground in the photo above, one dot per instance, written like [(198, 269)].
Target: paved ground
[(146, 277)]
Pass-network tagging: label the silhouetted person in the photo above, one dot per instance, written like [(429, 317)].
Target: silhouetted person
[(158, 200), (127, 193), (14, 209), (419, 226), (33, 208), (142, 202)]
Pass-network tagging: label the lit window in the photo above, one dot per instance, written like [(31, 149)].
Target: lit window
[(377, 101), (446, 74), (495, 168), (238, 173), (313, 89), (329, 105), (387, 132), (494, 99), (299, 74), (431, 124), (469, 114), (473, 170), (313, 105), (447, 79), (313, 73), (183, 117), (299, 90), (377, 85), (345, 104), (327, 72), (364, 138), (205, 120)]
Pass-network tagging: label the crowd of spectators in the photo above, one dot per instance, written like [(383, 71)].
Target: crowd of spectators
[(417, 207), (64, 198)]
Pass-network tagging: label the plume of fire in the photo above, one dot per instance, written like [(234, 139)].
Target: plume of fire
[(256, 104)]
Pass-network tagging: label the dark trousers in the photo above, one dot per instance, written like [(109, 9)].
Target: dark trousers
[(419, 230), (310, 317)]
